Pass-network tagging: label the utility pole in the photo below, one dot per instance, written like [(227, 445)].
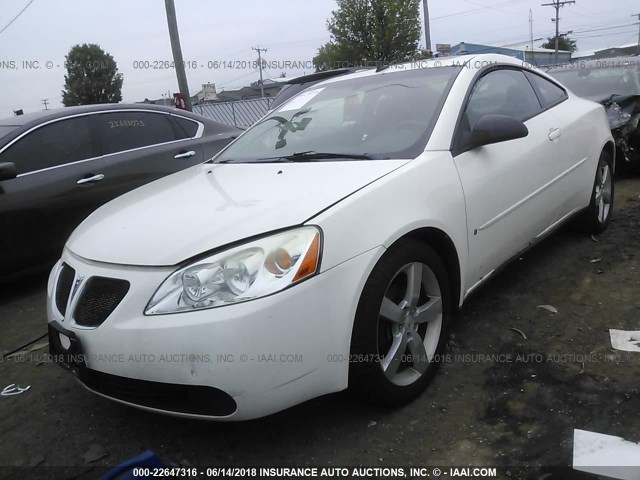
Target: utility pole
[(557, 4), (45, 102), (177, 52), (260, 50), (638, 15), (531, 55), (427, 30)]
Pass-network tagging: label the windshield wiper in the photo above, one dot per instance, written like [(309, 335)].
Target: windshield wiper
[(312, 155), (309, 156)]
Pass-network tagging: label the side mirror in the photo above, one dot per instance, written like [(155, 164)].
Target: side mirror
[(495, 129), (7, 171)]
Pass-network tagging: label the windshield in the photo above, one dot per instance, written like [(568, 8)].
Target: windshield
[(387, 115), (600, 82)]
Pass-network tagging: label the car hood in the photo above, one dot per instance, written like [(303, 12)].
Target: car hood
[(209, 206)]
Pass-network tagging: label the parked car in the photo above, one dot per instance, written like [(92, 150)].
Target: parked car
[(614, 83), (330, 243), (57, 166)]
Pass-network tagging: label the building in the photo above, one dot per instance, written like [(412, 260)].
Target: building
[(620, 51), (583, 55), (535, 55), (207, 94), (210, 94)]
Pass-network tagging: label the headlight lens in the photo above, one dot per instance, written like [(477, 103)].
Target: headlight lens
[(242, 273)]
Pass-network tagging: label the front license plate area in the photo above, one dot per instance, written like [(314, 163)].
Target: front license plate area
[(65, 348)]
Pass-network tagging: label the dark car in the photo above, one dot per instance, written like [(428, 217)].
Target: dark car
[(58, 166), (615, 83)]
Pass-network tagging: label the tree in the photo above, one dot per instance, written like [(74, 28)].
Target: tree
[(92, 77), (564, 43), (368, 32)]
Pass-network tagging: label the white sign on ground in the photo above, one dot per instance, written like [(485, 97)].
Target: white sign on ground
[(628, 341), (606, 455)]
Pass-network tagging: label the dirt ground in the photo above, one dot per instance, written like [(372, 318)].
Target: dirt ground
[(500, 399)]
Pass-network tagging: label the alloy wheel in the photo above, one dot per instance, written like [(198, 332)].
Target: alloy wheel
[(603, 191), (409, 324)]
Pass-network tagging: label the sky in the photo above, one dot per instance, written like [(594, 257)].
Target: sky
[(215, 33)]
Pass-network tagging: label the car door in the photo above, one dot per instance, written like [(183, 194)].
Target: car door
[(40, 207), (212, 138), (505, 184), (138, 146), (570, 136)]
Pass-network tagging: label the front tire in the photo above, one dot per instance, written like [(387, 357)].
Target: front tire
[(596, 217), (400, 326)]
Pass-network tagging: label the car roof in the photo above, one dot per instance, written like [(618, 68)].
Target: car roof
[(477, 62), (38, 117)]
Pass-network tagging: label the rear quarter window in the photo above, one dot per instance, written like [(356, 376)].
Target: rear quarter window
[(186, 128), (550, 94)]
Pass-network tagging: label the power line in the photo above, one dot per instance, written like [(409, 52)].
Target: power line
[(518, 39), (603, 35), (237, 78), (469, 12), (605, 28), (16, 17), (491, 7)]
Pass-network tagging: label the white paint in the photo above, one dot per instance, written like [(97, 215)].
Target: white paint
[(606, 455), (627, 341), (13, 389), (207, 206)]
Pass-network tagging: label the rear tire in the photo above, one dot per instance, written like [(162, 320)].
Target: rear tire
[(596, 217), (400, 327)]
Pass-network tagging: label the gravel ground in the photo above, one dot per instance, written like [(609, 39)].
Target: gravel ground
[(500, 399)]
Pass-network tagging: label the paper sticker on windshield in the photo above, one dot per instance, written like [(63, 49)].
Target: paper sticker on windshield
[(300, 100)]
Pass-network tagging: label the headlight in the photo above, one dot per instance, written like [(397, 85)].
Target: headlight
[(242, 273)]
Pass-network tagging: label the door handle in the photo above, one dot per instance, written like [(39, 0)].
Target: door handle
[(188, 154), (94, 179), (555, 134)]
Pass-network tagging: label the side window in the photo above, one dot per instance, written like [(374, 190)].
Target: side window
[(502, 92), (57, 143), (186, 128), (550, 93), (121, 131)]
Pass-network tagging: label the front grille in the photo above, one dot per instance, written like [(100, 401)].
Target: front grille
[(63, 288), (193, 399), (99, 297)]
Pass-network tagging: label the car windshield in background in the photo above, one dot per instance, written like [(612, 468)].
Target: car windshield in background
[(6, 129), (599, 82), (387, 115)]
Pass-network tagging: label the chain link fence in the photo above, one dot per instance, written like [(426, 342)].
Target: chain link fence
[(241, 113)]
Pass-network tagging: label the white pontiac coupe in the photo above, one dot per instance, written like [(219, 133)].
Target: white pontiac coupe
[(327, 246)]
